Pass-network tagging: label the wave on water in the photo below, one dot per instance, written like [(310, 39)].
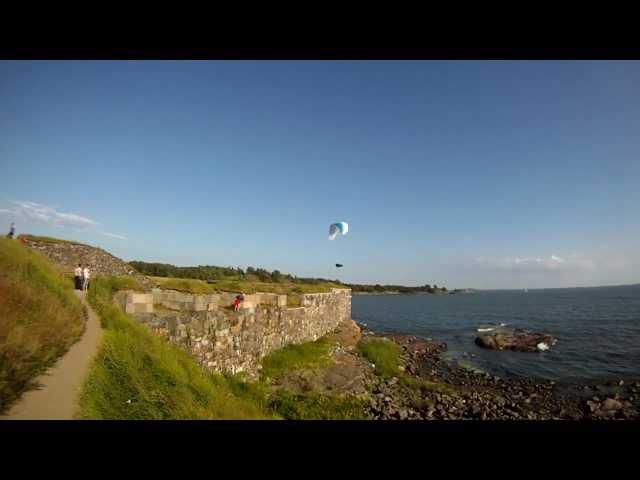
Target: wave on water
[(490, 329)]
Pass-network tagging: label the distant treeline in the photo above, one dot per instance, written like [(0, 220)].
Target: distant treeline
[(212, 273), (202, 272), (396, 288)]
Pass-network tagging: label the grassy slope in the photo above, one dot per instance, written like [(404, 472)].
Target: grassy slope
[(41, 318), (308, 355), (384, 354), (163, 382), (309, 405), (139, 376)]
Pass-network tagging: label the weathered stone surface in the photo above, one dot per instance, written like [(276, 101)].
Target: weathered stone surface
[(229, 341), (101, 263), (347, 334), (611, 404)]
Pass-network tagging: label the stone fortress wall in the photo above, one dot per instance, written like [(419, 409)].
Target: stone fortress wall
[(226, 341)]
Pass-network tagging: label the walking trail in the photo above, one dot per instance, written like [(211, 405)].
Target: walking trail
[(57, 399)]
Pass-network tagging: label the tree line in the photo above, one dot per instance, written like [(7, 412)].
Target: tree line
[(396, 288), (213, 273), (210, 273)]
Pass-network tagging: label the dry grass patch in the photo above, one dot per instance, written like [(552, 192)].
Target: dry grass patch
[(40, 318)]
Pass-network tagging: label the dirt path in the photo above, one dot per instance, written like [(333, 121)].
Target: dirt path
[(57, 399)]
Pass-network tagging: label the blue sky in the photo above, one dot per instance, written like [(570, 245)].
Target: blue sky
[(464, 174)]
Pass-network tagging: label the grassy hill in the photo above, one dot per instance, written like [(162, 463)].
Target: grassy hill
[(41, 318), (135, 374)]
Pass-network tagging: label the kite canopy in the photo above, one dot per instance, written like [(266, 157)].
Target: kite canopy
[(338, 265), (338, 228)]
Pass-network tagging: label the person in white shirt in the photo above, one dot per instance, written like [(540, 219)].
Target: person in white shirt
[(85, 275), (77, 276)]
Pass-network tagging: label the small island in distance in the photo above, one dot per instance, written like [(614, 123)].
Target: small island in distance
[(463, 290)]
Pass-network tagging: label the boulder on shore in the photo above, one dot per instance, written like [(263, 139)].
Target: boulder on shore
[(417, 345), (517, 340)]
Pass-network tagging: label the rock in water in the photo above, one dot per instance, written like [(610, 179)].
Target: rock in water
[(518, 340), (611, 404)]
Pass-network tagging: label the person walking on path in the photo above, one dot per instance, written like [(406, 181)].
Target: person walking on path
[(12, 230), (77, 276), (85, 278)]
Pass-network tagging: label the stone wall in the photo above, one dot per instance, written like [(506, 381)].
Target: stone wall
[(226, 341)]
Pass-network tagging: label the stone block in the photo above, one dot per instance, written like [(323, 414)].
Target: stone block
[(141, 298)]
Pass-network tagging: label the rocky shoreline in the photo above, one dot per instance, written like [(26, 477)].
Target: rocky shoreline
[(434, 389)]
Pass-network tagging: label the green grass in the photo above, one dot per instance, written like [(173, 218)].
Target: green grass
[(311, 405), (314, 406), (40, 318), (310, 355), (248, 287), (36, 238), (294, 300), (299, 406), (184, 285), (384, 354), (422, 385), (294, 291), (137, 375), (420, 389)]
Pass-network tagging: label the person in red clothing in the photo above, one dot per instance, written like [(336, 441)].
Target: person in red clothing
[(236, 303)]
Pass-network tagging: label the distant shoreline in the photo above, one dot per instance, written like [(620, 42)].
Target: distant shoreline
[(377, 293), (392, 292)]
